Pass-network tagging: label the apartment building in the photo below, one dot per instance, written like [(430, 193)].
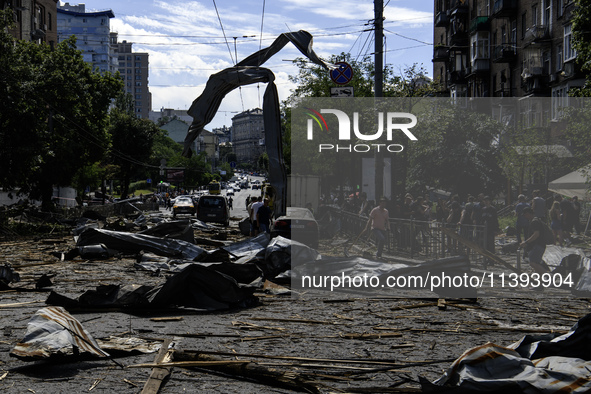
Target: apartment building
[(92, 31), (248, 135), (34, 20), (504, 48), (134, 69)]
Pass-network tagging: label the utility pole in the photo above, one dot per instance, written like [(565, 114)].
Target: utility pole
[(379, 88)]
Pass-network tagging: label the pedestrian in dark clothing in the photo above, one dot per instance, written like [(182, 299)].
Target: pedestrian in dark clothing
[(535, 245), (522, 224), (264, 217), (577, 214)]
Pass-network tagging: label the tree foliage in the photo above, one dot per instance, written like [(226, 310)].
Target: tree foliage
[(581, 30), (53, 118), (457, 150), (132, 140)]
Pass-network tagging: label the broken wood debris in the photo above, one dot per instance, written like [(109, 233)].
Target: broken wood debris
[(239, 369), (170, 318), (308, 321), (160, 372)]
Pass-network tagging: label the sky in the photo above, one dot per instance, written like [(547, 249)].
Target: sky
[(187, 41)]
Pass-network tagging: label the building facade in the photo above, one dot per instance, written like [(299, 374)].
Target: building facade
[(504, 48), (169, 113), (92, 31), (134, 69), (223, 133), (34, 20), (248, 135)]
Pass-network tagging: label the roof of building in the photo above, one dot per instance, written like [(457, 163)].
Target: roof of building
[(108, 13)]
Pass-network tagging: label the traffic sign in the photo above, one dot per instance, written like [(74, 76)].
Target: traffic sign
[(149, 180), (232, 164), (343, 74), (342, 91)]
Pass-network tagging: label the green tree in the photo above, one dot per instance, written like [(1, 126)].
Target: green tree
[(53, 118), (132, 141), (581, 30), (457, 151), (314, 81)]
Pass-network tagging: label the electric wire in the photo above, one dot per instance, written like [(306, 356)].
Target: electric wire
[(224, 33)]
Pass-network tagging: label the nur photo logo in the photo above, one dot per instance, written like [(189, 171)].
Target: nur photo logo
[(389, 123)]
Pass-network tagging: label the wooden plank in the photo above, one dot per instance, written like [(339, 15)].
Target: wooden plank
[(158, 374)]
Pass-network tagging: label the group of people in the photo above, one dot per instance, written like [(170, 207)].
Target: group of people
[(259, 214), (563, 215)]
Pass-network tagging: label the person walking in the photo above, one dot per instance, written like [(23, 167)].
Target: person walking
[(264, 217), (379, 221), (535, 245), (522, 224)]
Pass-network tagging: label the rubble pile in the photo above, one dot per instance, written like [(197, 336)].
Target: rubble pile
[(165, 306)]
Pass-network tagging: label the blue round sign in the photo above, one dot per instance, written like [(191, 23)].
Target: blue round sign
[(343, 74)]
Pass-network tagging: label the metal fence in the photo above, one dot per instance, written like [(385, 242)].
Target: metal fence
[(418, 239)]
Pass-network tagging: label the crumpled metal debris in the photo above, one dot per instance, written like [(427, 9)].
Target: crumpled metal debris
[(196, 286), (8, 275), (535, 364), (52, 332), (134, 243), (175, 229)]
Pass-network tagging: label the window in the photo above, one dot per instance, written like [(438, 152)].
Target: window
[(560, 8), (569, 50), (546, 17), (559, 102), (534, 15), (546, 62), (523, 24), (479, 44), (514, 33), (559, 57)]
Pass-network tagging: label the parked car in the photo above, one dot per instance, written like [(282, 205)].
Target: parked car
[(298, 224), (230, 192), (183, 205), (213, 209)]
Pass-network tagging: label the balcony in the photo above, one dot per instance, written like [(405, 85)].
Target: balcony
[(480, 23), (502, 92), (479, 67), (441, 19), (504, 53), (458, 6), (504, 8), (537, 35), (456, 77), (458, 32), (440, 53), (536, 85)]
